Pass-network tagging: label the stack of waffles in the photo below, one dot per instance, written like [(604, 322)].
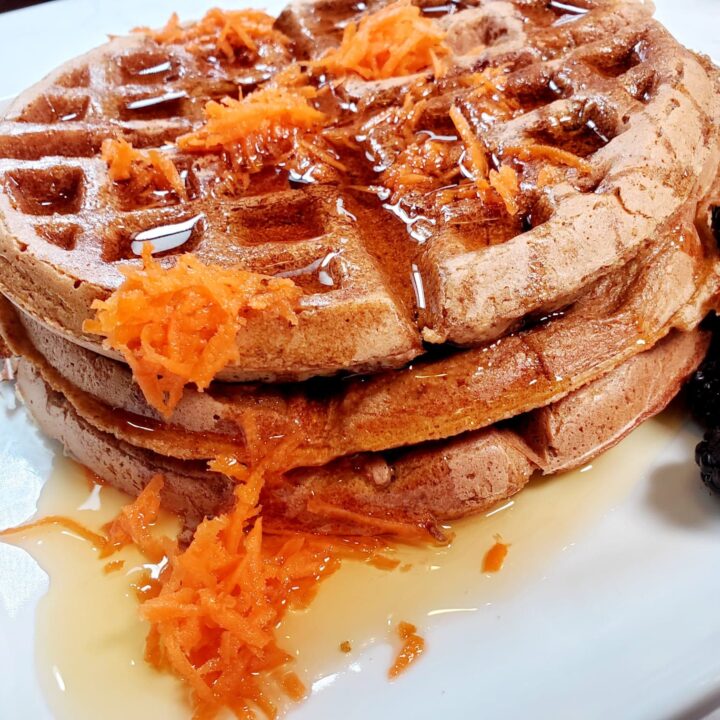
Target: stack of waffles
[(494, 220)]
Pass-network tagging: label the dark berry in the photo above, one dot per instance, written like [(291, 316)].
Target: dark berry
[(704, 392), (707, 456)]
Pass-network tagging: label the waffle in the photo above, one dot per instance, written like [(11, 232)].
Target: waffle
[(386, 493), (7, 363), (383, 269), (668, 287)]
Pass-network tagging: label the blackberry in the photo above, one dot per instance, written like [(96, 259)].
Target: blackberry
[(704, 396), (707, 456), (703, 388), (704, 392)]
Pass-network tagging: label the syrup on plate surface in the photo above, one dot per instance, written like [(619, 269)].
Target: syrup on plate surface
[(90, 641)]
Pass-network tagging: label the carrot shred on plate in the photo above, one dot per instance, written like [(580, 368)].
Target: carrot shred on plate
[(134, 524), (495, 557), (229, 31), (179, 325), (214, 609), (113, 566), (215, 605), (213, 621), (96, 540), (396, 40), (413, 647)]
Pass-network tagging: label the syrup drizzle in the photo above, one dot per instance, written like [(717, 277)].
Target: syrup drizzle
[(317, 271), (567, 7), (151, 102), (162, 67), (165, 237)]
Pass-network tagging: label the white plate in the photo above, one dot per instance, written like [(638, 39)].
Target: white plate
[(608, 607)]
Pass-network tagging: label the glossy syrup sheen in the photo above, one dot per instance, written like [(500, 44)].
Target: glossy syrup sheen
[(90, 641)]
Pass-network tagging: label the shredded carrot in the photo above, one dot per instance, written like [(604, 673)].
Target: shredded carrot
[(556, 156), (495, 556), (413, 647), (474, 149), (396, 40), (255, 126), (226, 30), (427, 165), (548, 175), (214, 609), (134, 524), (488, 97), (113, 566), (213, 621), (505, 183), (345, 646), (146, 169), (323, 154), (421, 166), (179, 325), (381, 526), (172, 32), (98, 541), (293, 686)]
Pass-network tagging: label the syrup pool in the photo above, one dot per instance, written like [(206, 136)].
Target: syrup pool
[(89, 640)]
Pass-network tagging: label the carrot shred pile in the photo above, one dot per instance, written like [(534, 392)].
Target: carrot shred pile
[(215, 606), (145, 169), (412, 648), (495, 557), (423, 165), (428, 164), (261, 124), (214, 609), (396, 40), (180, 325), (489, 97), (226, 30)]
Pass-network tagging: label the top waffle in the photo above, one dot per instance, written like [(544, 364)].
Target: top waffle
[(606, 125)]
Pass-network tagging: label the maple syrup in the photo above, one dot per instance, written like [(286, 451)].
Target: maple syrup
[(166, 237), (90, 640), (156, 107), (315, 277)]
